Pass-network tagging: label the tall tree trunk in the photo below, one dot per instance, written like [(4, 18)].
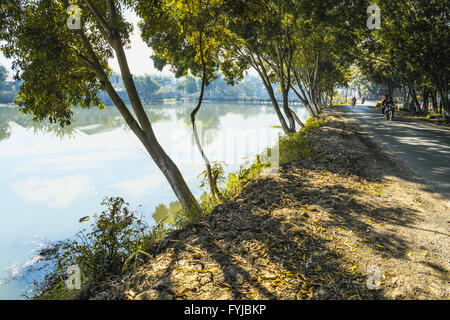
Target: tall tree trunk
[(288, 111), (406, 95), (200, 149), (445, 104), (284, 81), (314, 86), (212, 183), (434, 101), (256, 62), (297, 119), (443, 93), (303, 97), (284, 125), (425, 99), (142, 127), (163, 161), (265, 79), (412, 91), (314, 100)]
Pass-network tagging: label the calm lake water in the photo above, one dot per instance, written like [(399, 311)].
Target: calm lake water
[(51, 177)]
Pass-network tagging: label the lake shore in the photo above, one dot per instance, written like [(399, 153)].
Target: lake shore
[(348, 221)]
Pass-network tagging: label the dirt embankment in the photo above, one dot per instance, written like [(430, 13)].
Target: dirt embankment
[(349, 223)]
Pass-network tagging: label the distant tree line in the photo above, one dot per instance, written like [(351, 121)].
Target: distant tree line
[(160, 87)]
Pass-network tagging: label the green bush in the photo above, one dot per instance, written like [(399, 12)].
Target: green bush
[(184, 217), (236, 181), (116, 241), (228, 187), (297, 145)]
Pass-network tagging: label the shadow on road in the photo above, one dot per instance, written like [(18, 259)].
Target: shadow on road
[(425, 149)]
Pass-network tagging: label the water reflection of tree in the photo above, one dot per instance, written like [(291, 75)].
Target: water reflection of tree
[(109, 118), (12, 114), (166, 214), (5, 130), (212, 112), (55, 129), (101, 120)]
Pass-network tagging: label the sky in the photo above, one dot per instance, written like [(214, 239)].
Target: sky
[(138, 55)]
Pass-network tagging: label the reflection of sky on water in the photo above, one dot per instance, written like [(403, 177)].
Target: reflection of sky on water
[(50, 177)]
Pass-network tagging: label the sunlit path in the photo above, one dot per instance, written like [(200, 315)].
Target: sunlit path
[(425, 148)]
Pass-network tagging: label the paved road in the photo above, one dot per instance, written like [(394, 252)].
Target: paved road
[(425, 148)]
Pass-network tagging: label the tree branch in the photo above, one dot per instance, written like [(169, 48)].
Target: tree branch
[(104, 28), (95, 64)]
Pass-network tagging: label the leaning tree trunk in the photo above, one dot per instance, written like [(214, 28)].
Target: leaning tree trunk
[(445, 104), (425, 100), (200, 149), (434, 101), (297, 119), (275, 105), (412, 91), (405, 95), (313, 97), (285, 86), (162, 160), (288, 111), (277, 109), (259, 67), (304, 98), (443, 92), (212, 182), (141, 127)]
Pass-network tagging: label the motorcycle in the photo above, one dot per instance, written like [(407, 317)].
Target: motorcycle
[(389, 111)]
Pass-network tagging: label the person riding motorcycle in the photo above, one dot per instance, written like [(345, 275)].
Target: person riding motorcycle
[(387, 103), (385, 100)]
